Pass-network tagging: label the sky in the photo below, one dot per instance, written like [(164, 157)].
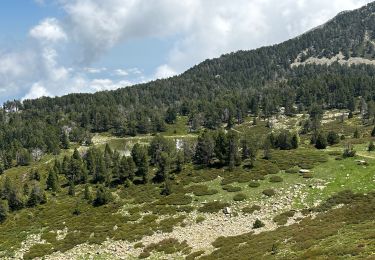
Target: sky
[(56, 47)]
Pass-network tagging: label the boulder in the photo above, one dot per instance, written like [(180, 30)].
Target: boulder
[(227, 210)]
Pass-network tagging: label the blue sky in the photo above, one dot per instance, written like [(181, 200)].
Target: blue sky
[(55, 47)]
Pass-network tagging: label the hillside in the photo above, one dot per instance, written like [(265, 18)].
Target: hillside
[(264, 154)]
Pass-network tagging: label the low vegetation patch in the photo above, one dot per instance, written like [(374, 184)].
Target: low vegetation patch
[(282, 219), (269, 192), (230, 188), (167, 246), (201, 190), (251, 210), (276, 179), (254, 184), (239, 197)]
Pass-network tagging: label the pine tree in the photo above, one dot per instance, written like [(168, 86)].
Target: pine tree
[(37, 196), (294, 141), (52, 181), (373, 132), (87, 195), (65, 144), (179, 161), (15, 199), (164, 167), (103, 196), (321, 141), (356, 134), (71, 189), (333, 138), (204, 150), (4, 210), (371, 147)]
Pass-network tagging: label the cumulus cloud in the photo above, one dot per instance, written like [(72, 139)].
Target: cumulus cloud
[(48, 30), (60, 56)]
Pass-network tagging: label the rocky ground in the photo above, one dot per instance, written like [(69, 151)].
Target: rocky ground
[(199, 235)]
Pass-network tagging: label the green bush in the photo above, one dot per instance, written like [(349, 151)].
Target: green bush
[(239, 197), (258, 224), (276, 179), (168, 246), (307, 175), (269, 192), (200, 219), (194, 255), (138, 245), (282, 219), (201, 190), (230, 188), (175, 199), (251, 210), (294, 169), (254, 184)]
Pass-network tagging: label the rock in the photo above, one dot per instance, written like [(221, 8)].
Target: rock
[(227, 210), (302, 171)]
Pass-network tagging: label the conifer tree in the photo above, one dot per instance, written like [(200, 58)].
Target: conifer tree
[(52, 181), (4, 210)]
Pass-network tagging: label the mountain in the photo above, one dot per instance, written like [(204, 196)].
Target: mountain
[(262, 154), (328, 66)]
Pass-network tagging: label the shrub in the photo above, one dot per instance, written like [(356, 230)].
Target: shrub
[(201, 190), (282, 219), (168, 246), (4, 209), (371, 147), (294, 169), (239, 197), (333, 138), (321, 141), (276, 179), (194, 255), (356, 134), (250, 210), (138, 245), (103, 196), (230, 188), (254, 184), (307, 175), (269, 192), (200, 219), (175, 199), (258, 224), (349, 152), (213, 207)]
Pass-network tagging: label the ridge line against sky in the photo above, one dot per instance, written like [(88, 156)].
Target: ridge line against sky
[(56, 47)]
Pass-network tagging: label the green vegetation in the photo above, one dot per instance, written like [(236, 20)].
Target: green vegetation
[(239, 197), (250, 210), (105, 166)]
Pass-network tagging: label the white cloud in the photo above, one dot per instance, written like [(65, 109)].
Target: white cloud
[(107, 84), (48, 30), (164, 71), (94, 70), (37, 90), (121, 72)]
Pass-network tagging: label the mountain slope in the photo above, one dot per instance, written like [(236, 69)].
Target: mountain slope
[(217, 91)]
